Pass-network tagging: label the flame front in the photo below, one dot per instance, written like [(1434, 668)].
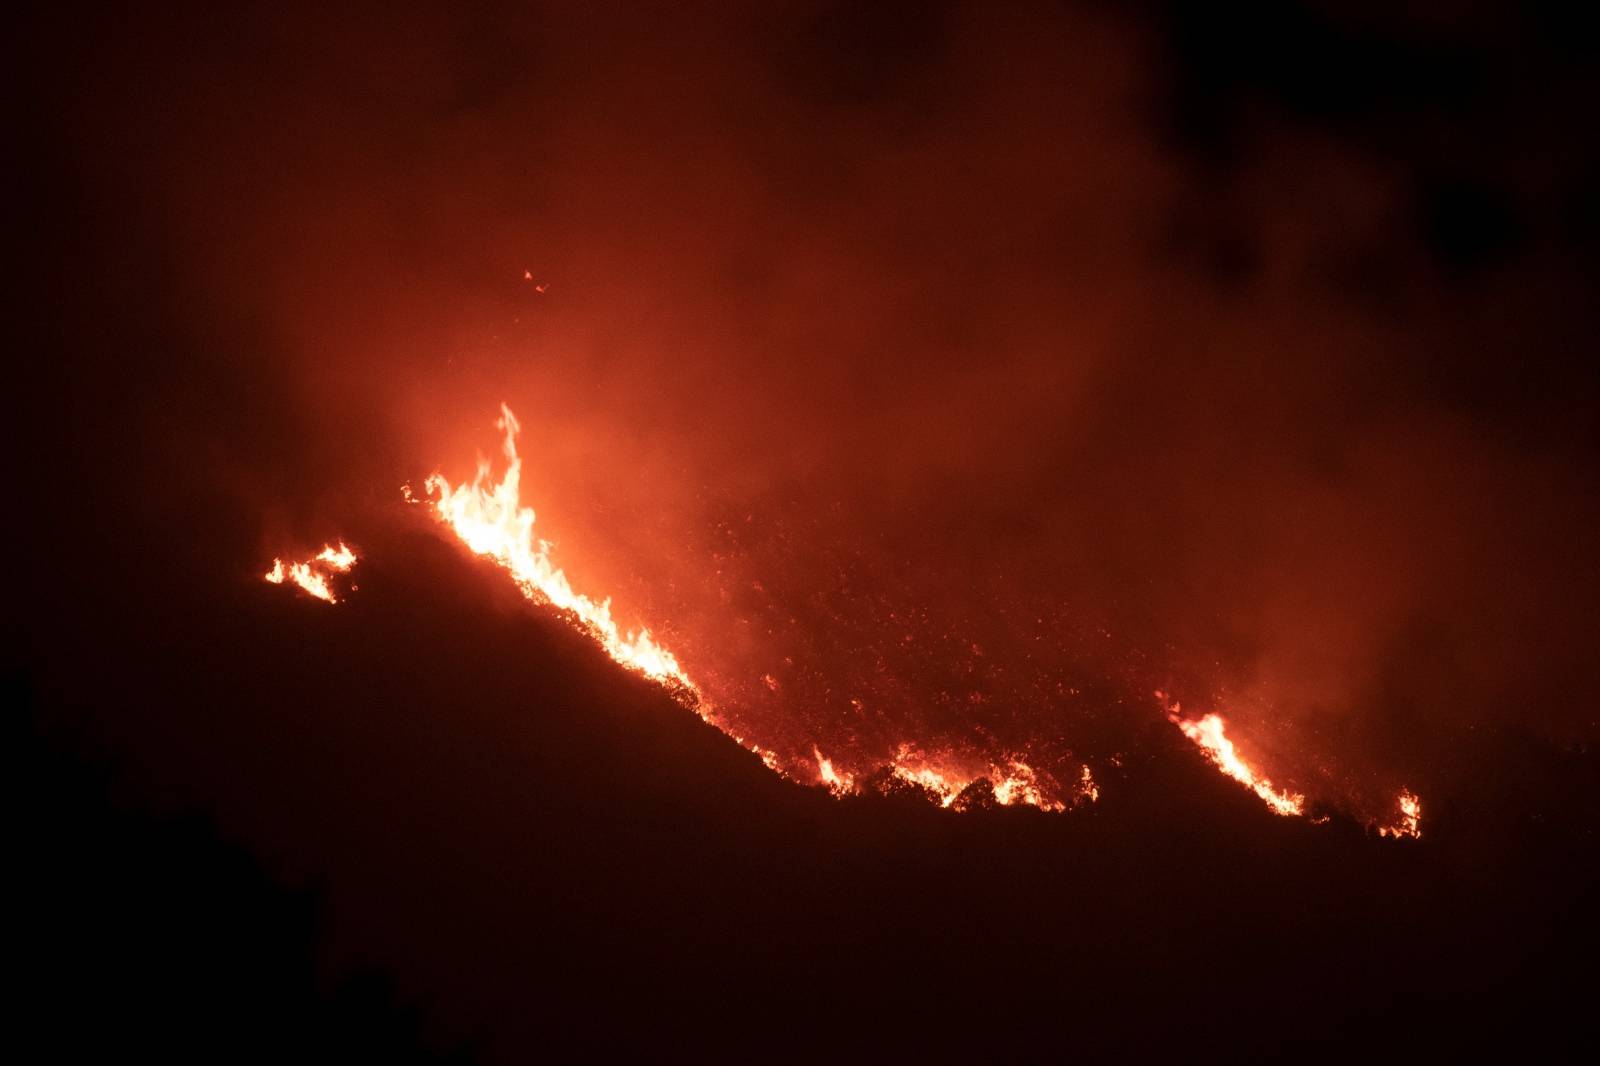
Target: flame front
[(309, 574), (1410, 823), (1014, 783), (1211, 736), (489, 517)]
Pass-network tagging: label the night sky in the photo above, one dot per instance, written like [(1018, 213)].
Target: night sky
[(926, 377)]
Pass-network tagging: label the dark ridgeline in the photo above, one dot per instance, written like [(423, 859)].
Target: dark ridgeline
[(522, 849)]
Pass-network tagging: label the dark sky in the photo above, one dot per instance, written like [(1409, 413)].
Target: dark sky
[(969, 372)]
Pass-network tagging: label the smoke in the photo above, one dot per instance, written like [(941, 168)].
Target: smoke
[(899, 356)]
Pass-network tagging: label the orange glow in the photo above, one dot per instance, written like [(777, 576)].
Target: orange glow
[(312, 575), (490, 518), (1018, 783), (840, 784), (1410, 823), (1210, 734), (913, 770), (1015, 783), (340, 558)]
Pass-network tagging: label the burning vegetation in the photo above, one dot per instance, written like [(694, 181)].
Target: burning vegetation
[(489, 516), (315, 574)]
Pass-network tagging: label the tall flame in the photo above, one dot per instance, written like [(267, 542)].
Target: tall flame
[(309, 574), (837, 782), (1211, 736), (489, 517)]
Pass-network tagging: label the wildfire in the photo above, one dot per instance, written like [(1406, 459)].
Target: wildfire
[(1210, 734), (1410, 823), (489, 517), (312, 575)]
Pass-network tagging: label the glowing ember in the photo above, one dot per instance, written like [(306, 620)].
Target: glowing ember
[(312, 575), (1209, 733), (1410, 823), (489, 516)]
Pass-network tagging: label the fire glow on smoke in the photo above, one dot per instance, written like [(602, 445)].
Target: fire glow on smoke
[(488, 516)]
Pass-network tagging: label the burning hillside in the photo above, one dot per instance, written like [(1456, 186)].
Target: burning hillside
[(490, 517)]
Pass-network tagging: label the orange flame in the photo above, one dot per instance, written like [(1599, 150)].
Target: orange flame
[(840, 784), (489, 517), (1015, 783), (308, 575), (1211, 736), (1087, 787), (1410, 823)]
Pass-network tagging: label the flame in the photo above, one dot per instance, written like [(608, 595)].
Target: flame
[(340, 558), (840, 784), (910, 770), (489, 517), (1210, 734), (1014, 783), (308, 575), (1087, 787), (1022, 785), (1410, 823)]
